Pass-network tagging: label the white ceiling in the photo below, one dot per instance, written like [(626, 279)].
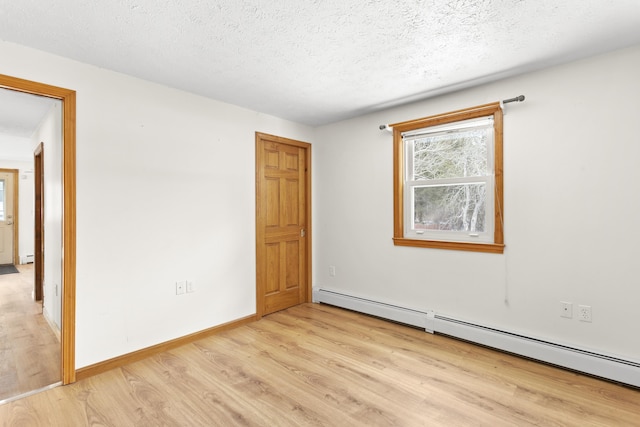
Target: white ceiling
[(20, 116), (320, 61), (21, 113)]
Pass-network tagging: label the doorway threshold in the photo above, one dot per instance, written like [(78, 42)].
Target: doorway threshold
[(30, 393)]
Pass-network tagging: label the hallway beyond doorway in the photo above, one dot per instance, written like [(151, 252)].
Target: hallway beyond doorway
[(29, 348)]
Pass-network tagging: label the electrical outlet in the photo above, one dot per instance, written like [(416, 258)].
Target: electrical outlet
[(566, 309), (332, 270), (181, 287), (584, 313), (190, 287)]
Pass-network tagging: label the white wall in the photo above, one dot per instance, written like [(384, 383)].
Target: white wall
[(25, 207), (571, 206), (50, 134), (165, 192), (12, 147)]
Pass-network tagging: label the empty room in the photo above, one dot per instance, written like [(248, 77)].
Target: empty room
[(329, 213)]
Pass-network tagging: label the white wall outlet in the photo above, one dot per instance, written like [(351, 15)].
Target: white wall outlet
[(332, 270), (190, 287), (181, 287), (584, 313), (566, 309)]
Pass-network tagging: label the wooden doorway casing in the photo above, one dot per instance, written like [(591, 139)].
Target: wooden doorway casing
[(68, 98), (283, 230), (38, 250)]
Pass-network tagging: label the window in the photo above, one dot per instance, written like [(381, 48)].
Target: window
[(448, 180)]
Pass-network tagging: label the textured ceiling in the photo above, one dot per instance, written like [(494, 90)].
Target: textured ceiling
[(320, 61)]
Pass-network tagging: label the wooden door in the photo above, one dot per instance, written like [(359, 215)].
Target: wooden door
[(283, 238), (38, 251), (7, 217)]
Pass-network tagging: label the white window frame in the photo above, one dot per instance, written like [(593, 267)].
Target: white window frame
[(492, 239), (485, 236)]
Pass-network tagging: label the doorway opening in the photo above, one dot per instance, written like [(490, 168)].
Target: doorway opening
[(68, 226)]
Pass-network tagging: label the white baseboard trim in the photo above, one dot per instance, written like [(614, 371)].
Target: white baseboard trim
[(52, 324), (604, 366), (407, 316), (26, 259)]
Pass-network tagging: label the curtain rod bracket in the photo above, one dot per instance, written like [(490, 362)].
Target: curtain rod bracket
[(506, 101), (516, 99), (386, 127)]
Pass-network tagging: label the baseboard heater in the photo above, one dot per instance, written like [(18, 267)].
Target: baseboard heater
[(608, 367)]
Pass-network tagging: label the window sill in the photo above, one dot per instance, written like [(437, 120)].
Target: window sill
[(495, 248)]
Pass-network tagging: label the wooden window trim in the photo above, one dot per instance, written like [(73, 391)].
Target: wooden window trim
[(398, 179)]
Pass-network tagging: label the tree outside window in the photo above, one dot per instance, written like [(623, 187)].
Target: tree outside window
[(448, 180)]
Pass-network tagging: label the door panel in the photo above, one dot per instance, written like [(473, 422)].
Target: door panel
[(291, 205), (273, 195), (281, 223), (293, 264), (273, 268)]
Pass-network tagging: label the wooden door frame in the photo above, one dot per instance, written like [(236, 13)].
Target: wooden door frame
[(260, 221), (38, 250), (15, 256), (68, 98)]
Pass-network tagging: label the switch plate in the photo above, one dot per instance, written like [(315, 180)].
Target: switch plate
[(332, 270), (181, 287), (190, 287), (566, 309)]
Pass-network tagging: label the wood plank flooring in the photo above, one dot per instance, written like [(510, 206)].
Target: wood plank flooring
[(29, 350), (316, 365)]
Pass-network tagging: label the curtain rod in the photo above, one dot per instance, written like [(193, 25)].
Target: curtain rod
[(516, 99), (506, 101)]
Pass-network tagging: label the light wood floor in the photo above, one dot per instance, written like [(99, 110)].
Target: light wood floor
[(316, 365), (29, 350)]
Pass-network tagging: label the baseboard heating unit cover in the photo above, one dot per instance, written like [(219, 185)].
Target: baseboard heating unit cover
[(609, 367)]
